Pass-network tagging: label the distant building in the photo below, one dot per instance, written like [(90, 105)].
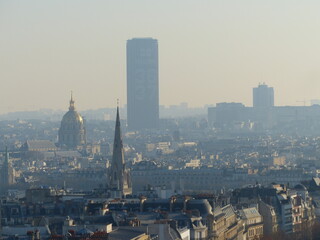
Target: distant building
[(263, 96), (7, 173), (38, 146), (237, 117), (229, 113), (72, 132), (42, 194), (119, 182), (142, 84), (205, 179)]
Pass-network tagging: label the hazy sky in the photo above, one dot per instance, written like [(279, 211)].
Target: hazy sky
[(210, 51)]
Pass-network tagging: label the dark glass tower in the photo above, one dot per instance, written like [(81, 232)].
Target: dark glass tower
[(142, 83)]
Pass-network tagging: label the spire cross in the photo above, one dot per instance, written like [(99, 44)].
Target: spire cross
[(71, 107)]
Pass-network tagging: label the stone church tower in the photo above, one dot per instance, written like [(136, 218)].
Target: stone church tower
[(119, 176)]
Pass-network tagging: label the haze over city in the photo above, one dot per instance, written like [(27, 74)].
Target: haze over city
[(209, 51), (159, 120)]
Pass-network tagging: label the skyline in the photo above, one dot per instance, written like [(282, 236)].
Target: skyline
[(49, 48)]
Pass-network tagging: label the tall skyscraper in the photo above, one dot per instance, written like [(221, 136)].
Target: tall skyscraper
[(263, 96), (142, 83)]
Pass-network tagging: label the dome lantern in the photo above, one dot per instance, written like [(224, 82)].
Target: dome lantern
[(71, 107)]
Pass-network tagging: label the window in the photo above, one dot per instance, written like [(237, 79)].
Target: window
[(14, 211)]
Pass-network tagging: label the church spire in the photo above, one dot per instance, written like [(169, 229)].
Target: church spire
[(117, 129), (118, 179), (71, 107), (117, 144)]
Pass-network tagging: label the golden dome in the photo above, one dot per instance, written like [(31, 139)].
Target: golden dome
[(72, 117), (72, 129)]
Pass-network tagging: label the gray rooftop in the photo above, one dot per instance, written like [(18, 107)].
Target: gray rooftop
[(39, 145), (248, 213)]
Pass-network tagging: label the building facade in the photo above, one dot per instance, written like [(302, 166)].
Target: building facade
[(207, 179), (142, 84), (224, 223), (253, 223)]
